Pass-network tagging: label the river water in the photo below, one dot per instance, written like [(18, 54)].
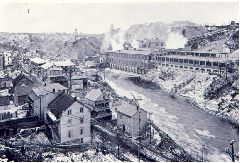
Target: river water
[(190, 127)]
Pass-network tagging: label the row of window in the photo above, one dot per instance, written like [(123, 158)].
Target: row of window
[(70, 134), (194, 54), (208, 63), (81, 120), (69, 112), (124, 55), (129, 63)]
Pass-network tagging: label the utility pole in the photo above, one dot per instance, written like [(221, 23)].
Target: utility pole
[(70, 78), (150, 127), (139, 122), (226, 68), (118, 132), (231, 153)]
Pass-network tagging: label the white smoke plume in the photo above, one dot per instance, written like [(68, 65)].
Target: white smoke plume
[(175, 40), (114, 38), (135, 44)]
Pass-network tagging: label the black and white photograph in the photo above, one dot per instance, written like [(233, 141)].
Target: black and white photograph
[(119, 81)]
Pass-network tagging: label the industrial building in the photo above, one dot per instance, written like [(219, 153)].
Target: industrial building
[(193, 60)]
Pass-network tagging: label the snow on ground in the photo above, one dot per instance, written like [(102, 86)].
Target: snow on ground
[(86, 156), (32, 137), (205, 133), (168, 122), (190, 84)]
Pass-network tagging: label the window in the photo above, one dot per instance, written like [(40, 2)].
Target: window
[(81, 131), (81, 140), (70, 134), (81, 119), (81, 110), (69, 112)]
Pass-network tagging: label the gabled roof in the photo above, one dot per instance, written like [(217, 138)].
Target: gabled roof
[(127, 109), (20, 77), (60, 104), (64, 63), (38, 60), (47, 65), (43, 90), (22, 90), (94, 94), (51, 65)]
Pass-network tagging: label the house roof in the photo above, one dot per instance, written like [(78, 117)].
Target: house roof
[(51, 65), (136, 51), (43, 90), (20, 77), (22, 90), (60, 104), (47, 65), (94, 94), (127, 109), (64, 63), (38, 60)]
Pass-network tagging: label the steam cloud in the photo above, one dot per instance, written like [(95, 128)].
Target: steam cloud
[(175, 40), (114, 38)]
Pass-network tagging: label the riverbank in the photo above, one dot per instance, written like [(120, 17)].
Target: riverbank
[(188, 126), (192, 86)]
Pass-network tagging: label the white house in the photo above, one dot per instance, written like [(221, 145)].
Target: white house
[(71, 120), (41, 96), (131, 119)]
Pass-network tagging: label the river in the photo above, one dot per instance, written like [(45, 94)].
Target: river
[(188, 126)]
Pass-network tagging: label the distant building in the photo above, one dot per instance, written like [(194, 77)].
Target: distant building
[(131, 60), (22, 85), (54, 74), (79, 82), (41, 96), (90, 64), (35, 65), (8, 59), (128, 116), (98, 102), (153, 44), (70, 120), (5, 81), (193, 60), (66, 65), (5, 97)]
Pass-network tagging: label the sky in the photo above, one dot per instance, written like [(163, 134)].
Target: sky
[(96, 17)]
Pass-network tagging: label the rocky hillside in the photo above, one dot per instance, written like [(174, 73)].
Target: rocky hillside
[(52, 44), (225, 39), (161, 30), (214, 94)]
